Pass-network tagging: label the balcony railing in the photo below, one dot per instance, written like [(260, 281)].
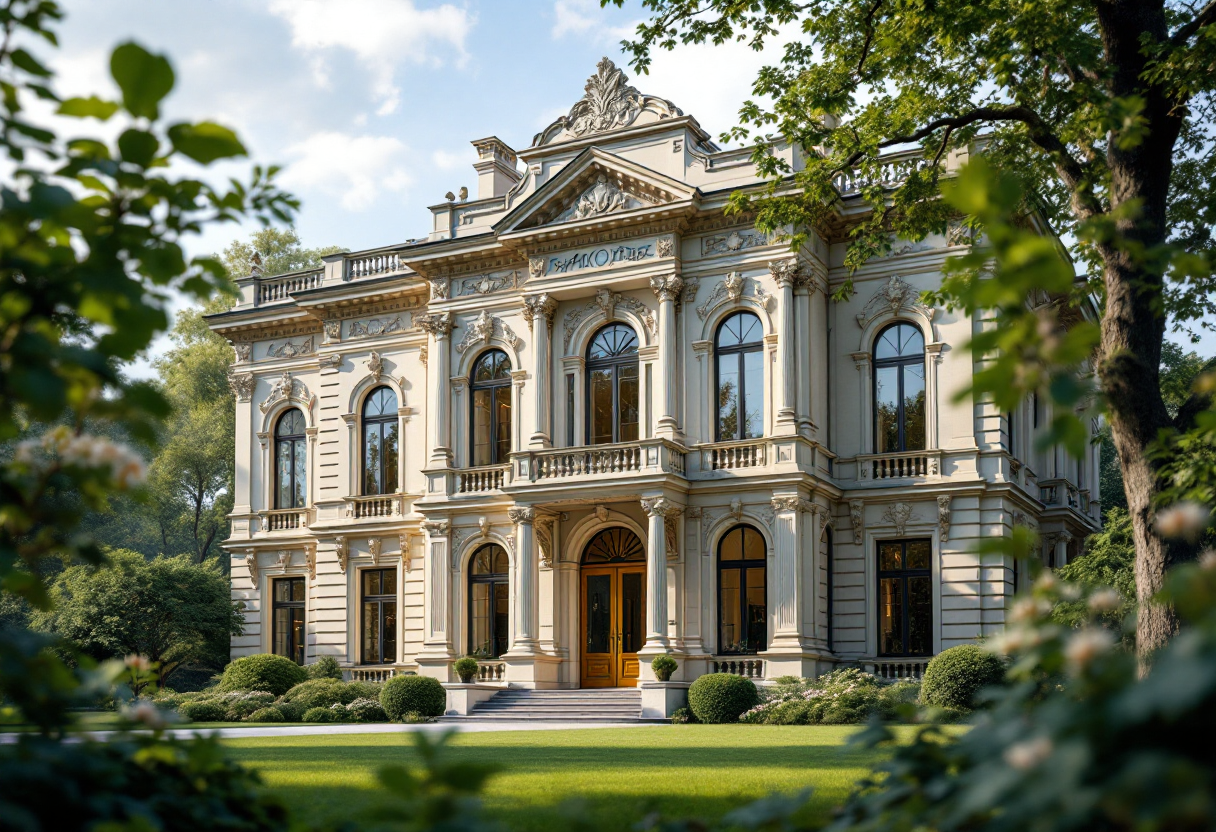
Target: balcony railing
[(896, 668), (491, 671), (1059, 493), (747, 668), (485, 478), (284, 519), (648, 456), (374, 507), (374, 264), (375, 673), (732, 456), (898, 466), (280, 289)]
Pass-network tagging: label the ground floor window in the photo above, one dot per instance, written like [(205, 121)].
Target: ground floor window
[(905, 598), (742, 592), (379, 616), (489, 602), (287, 627)]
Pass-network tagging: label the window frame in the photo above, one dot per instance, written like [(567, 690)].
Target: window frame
[(493, 579), (613, 363), (491, 385), (738, 351), (743, 566), (904, 575), (380, 600), (899, 362), (276, 605), (383, 421), (295, 440)]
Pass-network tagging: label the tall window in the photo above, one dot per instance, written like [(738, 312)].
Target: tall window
[(489, 602), (379, 616), (291, 461), (287, 626), (612, 391), (899, 390), (380, 442), (740, 377), (905, 598), (491, 408), (742, 592)]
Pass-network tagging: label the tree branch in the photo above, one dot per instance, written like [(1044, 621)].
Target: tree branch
[(1205, 16), (865, 47)]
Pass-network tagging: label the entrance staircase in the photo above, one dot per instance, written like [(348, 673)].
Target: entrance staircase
[(525, 705)]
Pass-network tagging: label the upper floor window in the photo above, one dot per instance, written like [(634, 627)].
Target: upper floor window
[(740, 377), (491, 408), (742, 592), (899, 390), (380, 442), (291, 461), (612, 389)]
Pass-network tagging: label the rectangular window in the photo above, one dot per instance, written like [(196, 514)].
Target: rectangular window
[(629, 403), (886, 403), (601, 407), (287, 624), (570, 411), (905, 598), (379, 616)]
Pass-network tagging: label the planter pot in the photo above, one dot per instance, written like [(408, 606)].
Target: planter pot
[(663, 676), (466, 678)]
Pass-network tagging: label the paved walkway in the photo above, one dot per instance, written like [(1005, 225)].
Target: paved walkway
[(372, 728)]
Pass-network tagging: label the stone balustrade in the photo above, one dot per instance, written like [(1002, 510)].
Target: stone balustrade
[(747, 668), (284, 519), (482, 479), (906, 465), (733, 456), (599, 461), (374, 265), (279, 289), (374, 507), (895, 669)]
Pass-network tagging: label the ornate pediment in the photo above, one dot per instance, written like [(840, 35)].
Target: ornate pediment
[(608, 103), (605, 196), (894, 296)]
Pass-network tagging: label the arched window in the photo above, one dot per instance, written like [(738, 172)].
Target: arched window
[(612, 388), (742, 592), (491, 433), (291, 461), (380, 442), (899, 390), (739, 353), (489, 602)]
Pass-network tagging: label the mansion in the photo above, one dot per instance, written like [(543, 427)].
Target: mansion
[(591, 418)]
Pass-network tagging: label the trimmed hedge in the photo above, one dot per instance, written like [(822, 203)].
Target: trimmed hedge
[(366, 710), (271, 714), (326, 667), (205, 711), (274, 674), (319, 715), (721, 697), (320, 693), (955, 676), (418, 694)]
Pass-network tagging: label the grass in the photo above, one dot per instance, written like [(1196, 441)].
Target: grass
[(618, 775)]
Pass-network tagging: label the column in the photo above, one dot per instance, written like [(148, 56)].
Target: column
[(439, 326), (785, 272), (538, 312), (787, 581), (657, 510), (526, 608), (667, 289), (437, 641)]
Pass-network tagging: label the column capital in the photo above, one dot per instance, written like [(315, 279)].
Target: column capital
[(667, 288), (786, 272), (438, 324), (541, 304), (661, 507), (792, 502), (522, 514), (435, 528)]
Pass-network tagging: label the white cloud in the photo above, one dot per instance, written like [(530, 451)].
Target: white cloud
[(451, 160), (356, 170), (381, 33), (574, 17)]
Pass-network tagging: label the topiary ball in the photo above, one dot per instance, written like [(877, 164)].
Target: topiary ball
[(955, 676), (326, 667), (275, 674), (320, 693), (206, 710), (722, 697), (420, 694), (319, 715), (271, 714)]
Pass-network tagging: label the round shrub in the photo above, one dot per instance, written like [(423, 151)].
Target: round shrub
[(339, 712), (291, 711), (239, 705), (663, 666), (320, 693), (366, 710), (954, 676), (318, 715), (203, 710), (466, 668), (420, 694), (271, 714), (326, 667), (721, 697), (362, 690), (276, 674)]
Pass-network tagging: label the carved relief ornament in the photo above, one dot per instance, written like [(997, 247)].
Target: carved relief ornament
[(437, 324), (943, 517), (374, 328), (898, 515), (608, 103), (242, 385), (894, 296), (243, 350), (539, 305), (857, 515), (288, 388), (731, 290), (484, 327), (342, 552), (288, 349), (605, 302)]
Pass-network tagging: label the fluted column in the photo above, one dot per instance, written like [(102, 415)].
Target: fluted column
[(538, 311), (785, 272), (439, 326), (667, 289), (526, 609), (788, 584), (660, 512), (437, 590)]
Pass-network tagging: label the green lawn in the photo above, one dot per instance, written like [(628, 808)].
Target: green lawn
[(619, 774)]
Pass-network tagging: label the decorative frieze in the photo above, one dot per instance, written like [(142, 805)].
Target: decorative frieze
[(484, 327), (358, 330), (732, 241), (484, 284), (290, 349), (600, 257)]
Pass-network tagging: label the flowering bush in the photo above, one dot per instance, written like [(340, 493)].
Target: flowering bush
[(205, 710), (319, 715), (721, 697), (842, 697), (240, 704), (366, 710)]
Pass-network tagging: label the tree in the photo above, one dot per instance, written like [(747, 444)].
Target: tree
[(1101, 110), (168, 610), (279, 249), (1108, 563)]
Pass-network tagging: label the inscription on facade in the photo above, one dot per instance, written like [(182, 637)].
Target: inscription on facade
[(600, 257)]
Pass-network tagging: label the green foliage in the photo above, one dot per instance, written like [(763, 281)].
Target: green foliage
[(842, 697), (442, 795), (292, 711), (683, 716), (955, 677), (721, 697), (203, 710), (466, 668), (280, 252), (663, 666), (319, 714), (321, 693), (1108, 563), (268, 714), (265, 672), (238, 705), (168, 610), (417, 694), (326, 667), (366, 710)]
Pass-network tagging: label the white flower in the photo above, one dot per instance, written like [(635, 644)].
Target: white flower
[(1026, 755), (1029, 609), (1185, 520), (150, 715), (1087, 645), (1105, 600), (140, 664), (1208, 560)]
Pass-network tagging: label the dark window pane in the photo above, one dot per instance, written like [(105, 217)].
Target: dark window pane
[(389, 443), (599, 613), (729, 611), (502, 416), (756, 611), (886, 409), (371, 458), (728, 396), (482, 437), (371, 632), (628, 403), (890, 616), (601, 407), (388, 582), (753, 402), (501, 614), (632, 611), (732, 544), (371, 582), (283, 475), (914, 407), (388, 652), (753, 545), (501, 563), (890, 556), (920, 616), (920, 554), (479, 603), (300, 474)]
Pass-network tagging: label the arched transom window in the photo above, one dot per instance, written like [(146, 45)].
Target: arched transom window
[(739, 353), (291, 461), (742, 592), (612, 388), (380, 442), (491, 385), (899, 390)]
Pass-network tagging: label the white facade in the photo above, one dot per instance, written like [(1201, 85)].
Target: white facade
[(615, 214)]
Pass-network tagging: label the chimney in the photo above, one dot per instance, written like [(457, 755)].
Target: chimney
[(495, 167)]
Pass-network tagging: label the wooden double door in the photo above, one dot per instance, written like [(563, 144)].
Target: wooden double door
[(613, 619)]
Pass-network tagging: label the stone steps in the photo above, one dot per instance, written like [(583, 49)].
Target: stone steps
[(614, 705)]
